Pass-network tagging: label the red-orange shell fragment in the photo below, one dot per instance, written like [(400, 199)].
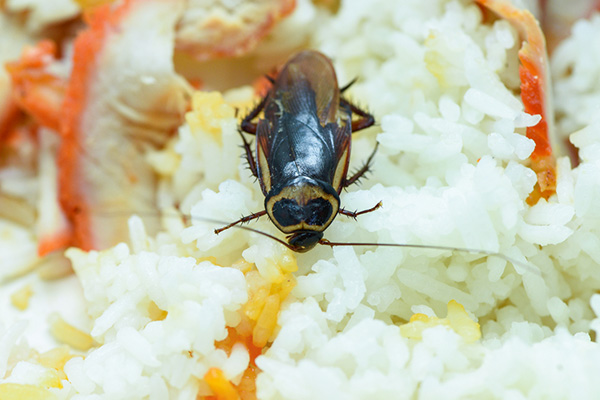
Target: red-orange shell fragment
[(212, 29), (123, 97), (535, 93)]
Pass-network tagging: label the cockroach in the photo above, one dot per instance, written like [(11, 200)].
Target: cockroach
[(303, 147), (302, 154)]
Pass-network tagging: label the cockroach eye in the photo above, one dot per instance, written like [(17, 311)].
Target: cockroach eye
[(287, 212), (317, 211)]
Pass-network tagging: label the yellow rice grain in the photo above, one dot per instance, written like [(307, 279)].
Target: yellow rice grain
[(20, 298), (266, 323), (68, 334), (16, 391)]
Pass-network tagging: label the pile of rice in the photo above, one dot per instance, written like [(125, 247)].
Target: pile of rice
[(451, 170)]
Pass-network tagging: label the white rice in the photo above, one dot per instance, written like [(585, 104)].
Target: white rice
[(450, 171), (575, 70)]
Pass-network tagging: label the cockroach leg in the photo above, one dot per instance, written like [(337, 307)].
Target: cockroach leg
[(249, 156), (366, 119), (365, 168), (352, 82), (357, 213), (247, 218), (247, 125)]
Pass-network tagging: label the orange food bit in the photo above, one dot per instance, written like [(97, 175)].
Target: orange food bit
[(247, 386), (221, 387), (258, 319), (237, 335), (35, 90), (535, 93), (243, 334), (58, 241)]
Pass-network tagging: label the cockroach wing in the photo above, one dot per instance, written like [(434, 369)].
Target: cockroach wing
[(342, 144), (315, 70)]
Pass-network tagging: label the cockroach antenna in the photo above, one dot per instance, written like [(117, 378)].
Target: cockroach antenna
[(325, 242), (489, 253)]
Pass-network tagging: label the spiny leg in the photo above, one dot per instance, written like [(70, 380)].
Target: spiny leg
[(249, 156), (366, 119), (250, 127), (352, 82), (357, 213), (247, 218), (365, 168), (247, 125)]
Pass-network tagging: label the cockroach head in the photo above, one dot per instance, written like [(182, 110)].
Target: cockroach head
[(302, 205)]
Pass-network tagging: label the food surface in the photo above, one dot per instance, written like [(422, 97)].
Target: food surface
[(119, 149)]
